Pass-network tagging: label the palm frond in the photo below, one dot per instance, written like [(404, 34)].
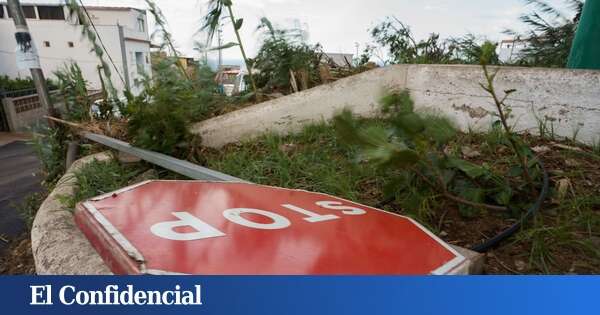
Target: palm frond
[(213, 18)]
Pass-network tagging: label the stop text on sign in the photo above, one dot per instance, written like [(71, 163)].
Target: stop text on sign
[(203, 230)]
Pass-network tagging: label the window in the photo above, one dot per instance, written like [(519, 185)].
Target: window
[(28, 11), (51, 13), (46, 44), (71, 45), (1, 11), (139, 62), (141, 24)]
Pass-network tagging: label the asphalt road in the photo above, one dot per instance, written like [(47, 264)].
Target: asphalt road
[(19, 176)]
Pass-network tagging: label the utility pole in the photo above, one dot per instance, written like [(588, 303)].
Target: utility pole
[(220, 43), (27, 56)]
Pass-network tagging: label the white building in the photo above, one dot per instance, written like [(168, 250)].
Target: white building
[(123, 30), (510, 49)]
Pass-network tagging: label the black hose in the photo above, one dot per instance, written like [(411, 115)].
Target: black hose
[(494, 241)]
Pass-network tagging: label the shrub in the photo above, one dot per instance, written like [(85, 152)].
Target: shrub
[(402, 46), (414, 146), (50, 147), (550, 35), (160, 115), (74, 90), (283, 51), (8, 84)]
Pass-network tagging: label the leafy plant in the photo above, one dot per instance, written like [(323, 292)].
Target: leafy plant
[(8, 84), (167, 38), (403, 48), (50, 147), (469, 49), (414, 146), (88, 31), (28, 208), (212, 22), (160, 115), (99, 177), (551, 33), (283, 54), (524, 154), (74, 90)]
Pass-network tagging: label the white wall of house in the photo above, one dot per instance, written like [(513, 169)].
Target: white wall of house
[(510, 50), (60, 42)]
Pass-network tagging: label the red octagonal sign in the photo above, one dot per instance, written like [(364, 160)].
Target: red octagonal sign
[(217, 228)]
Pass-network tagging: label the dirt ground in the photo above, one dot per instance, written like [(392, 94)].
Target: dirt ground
[(17, 259)]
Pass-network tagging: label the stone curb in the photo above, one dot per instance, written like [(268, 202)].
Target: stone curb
[(59, 247)]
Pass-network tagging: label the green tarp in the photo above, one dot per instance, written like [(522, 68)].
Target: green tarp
[(585, 53)]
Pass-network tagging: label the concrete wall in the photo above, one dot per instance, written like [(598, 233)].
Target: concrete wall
[(22, 112), (25, 112), (568, 99), (59, 247)]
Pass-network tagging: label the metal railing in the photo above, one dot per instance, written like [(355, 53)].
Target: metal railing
[(178, 166)]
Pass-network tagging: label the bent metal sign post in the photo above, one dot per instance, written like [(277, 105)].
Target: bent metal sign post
[(218, 228)]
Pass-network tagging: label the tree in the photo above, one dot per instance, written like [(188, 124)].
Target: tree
[(211, 24), (284, 53), (468, 50), (550, 33), (402, 47)]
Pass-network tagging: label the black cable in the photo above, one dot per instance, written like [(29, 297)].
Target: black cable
[(101, 42), (494, 241)]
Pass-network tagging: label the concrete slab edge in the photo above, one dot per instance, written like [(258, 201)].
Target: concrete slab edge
[(59, 247)]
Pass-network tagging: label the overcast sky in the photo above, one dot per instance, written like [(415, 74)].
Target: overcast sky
[(339, 24)]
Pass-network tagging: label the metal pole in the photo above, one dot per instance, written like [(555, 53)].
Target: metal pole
[(220, 43), (25, 41)]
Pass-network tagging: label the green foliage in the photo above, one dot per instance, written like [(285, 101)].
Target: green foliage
[(160, 115), (470, 50), (312, 160), (550, 35), (28, 208), (413, 145), (283, 51), (74, 90), (402, 47), (162, 32), (7, 84), (503, 112), (50, 147), (88, 31), (97, 178), (212, 23)]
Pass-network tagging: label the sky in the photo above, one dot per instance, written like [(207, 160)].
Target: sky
[(340, 24)]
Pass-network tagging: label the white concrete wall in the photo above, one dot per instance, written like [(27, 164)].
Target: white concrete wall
[(133, 47), (114, 16), (571, 98)]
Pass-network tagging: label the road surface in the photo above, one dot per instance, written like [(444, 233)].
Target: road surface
[(19, 176)]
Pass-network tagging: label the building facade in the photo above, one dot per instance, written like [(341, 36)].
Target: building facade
[(58, 38), (509, 50)]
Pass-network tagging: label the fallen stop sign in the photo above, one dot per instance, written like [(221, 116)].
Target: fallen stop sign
[(218, 228)]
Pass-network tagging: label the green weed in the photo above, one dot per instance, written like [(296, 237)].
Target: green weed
[(97, 178)]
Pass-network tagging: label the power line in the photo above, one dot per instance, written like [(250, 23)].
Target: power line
[(101, 42)]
